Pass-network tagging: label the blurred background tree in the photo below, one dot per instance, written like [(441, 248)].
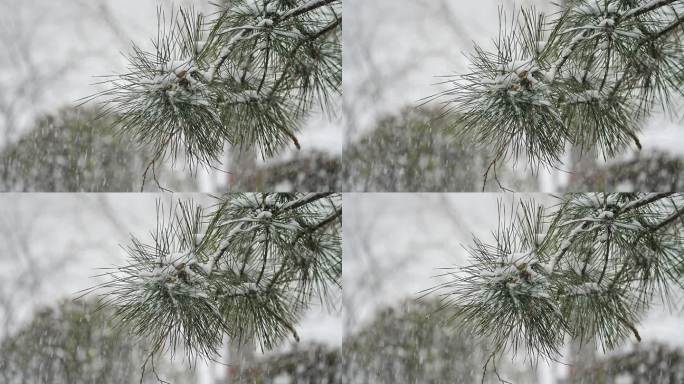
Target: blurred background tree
[(656, 171), (77, 150), (649, 363), (305, 364), (312, 171), (411, 151), (76, 343), (416, 342)]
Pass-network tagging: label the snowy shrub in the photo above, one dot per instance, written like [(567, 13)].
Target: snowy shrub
[(308, 364), (314, 171), (650, 363)]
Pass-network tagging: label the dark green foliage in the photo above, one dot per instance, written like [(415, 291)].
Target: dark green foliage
[(507, 97), (505, 294)]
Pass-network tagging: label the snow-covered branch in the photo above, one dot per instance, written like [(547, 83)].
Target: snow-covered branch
[(246, 76), (586, 77), (237, 269), (304, 8), (607, 258), (647, 7)]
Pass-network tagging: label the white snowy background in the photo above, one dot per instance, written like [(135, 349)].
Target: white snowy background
[(52, 246), (396, 50), (55, 52), (394, 245)]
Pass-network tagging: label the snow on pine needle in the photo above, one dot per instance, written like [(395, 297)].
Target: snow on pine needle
[(587, 268), (246, 267), (587, 75), (506, 294), (246, 75)]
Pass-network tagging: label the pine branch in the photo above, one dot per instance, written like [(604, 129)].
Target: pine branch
[(306, 7), (246, 76), (679, 212), (304, 200), (587, 77), (240, 269), (320, 225), (647, 7), (588, 269), (645, 200)]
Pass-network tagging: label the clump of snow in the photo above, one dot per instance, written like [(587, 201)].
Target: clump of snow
[(522, 81), (607, 22), (270, 200), (272, 7), (520, 279), (264, 215), (517, 75), (265, 23), (175, 81), (176, 276), (606, 215)]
